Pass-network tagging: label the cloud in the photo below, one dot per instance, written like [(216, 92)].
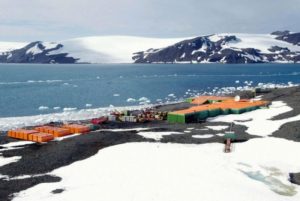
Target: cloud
[(57, 19)]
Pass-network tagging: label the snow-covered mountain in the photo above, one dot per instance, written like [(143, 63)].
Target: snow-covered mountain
[(278, 47), (98, 49)]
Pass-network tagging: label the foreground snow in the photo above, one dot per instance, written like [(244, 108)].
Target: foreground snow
[(152, 171), (259, 121)]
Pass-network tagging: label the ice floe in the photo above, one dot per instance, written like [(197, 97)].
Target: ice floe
[(69, 109), (130, 100), (43, 108), (68, 115)]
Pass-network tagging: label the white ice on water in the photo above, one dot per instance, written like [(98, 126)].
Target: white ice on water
[(68, 115)]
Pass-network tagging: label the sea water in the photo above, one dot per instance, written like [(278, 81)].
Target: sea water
[(34, 89)]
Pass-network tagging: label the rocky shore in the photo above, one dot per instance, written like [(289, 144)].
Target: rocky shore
[(38, 160)]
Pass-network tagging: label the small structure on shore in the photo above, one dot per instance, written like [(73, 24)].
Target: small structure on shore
[(229, 137)]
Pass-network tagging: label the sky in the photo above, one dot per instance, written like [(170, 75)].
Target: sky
[(54, 20)]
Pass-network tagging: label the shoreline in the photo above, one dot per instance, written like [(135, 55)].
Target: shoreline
[(80, 147)]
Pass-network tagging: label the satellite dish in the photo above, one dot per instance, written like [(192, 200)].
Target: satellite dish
[(237, 98)]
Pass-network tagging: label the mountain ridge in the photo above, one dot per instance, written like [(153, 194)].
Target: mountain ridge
[(277, 47)]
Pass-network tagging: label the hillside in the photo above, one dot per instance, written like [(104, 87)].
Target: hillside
[(278, 47)]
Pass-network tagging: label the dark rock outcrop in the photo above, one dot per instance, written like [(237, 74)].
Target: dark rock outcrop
[(295, 178), (36, 52), (293, 38)]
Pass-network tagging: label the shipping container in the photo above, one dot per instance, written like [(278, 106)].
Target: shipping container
[(41, 137), (217, 106), (76, 128)]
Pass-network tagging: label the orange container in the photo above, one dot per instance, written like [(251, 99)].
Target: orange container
[(10, 133), (76, 128), (26, 133), (19, 133), (41, 137), (41, 128), (30, 137), (60, 132), (55, 131)]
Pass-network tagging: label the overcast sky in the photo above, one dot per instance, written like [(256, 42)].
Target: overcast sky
[(28, 20)]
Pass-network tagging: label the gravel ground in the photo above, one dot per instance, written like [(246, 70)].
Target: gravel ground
[(41, 159)]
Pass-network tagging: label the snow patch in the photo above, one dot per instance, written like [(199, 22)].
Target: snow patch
[(6, 161), (157, 135), (203, 136), (154, 171), (217, 128)]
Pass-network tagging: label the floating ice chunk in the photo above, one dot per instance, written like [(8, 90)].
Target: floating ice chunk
[(171, 95), (130, 100), (56, 108), (143, 99), (237, 81), (69, 109), (88, 105), (43, 108), (116, 95)]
